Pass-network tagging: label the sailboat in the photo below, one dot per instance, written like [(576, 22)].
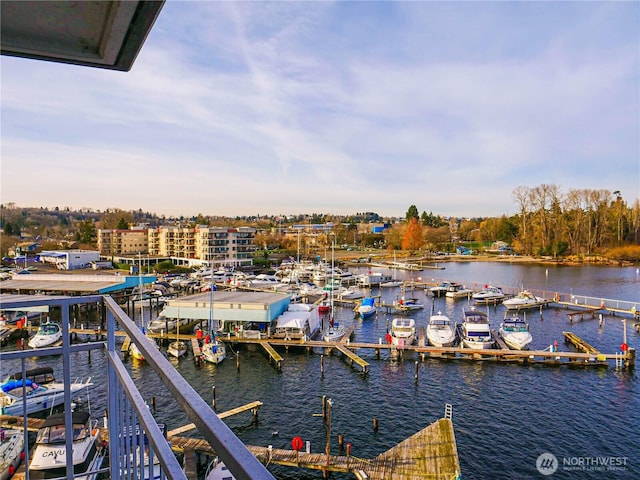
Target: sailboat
[(213, 351), (133, 348), (177, 348), (394, 282)]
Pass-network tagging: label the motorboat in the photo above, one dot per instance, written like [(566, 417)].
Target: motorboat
[(407, 304), (515, 333), (439, 290), (367, 307), (300, 320), (475, 330), (392, 284), (40, 375), (403, 331), (266, 282), (48, 459), (489, 294), (524, 300), (213, 351), (441, 332), (217, 470), (350, 294), (49, 334), (373, 279), (334, 333), (457, 290), (11, 451), (38, 397)]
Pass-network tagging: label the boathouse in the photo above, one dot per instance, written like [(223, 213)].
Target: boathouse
[(236, 312)]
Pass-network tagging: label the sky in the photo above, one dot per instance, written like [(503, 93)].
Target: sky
[(269, 108)]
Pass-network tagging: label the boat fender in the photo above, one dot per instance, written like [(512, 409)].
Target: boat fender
[(94, 432), (12, 469), (602, 304), (556, 297)]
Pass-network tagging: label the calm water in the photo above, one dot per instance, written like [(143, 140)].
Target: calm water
[(505, 416)]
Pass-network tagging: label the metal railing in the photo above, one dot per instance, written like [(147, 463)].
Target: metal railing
[(132, 430)]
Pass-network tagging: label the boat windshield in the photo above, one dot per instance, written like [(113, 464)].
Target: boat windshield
[(56, 433), (515, 327), (48, 329)]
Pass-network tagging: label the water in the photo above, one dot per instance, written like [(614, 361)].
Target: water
[(505, 416)]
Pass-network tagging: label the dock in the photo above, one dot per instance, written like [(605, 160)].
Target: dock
[(430, 453), (580, 344)]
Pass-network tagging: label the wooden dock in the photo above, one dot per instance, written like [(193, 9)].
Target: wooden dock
[(275, 356), (430, 453), (253, 407), (580, 344)]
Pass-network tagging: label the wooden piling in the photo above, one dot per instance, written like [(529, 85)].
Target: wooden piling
[(375, 424)]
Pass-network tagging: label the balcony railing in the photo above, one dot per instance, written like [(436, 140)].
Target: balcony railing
[(126, 409)]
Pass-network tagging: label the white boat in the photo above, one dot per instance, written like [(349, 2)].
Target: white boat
[(515, 333), (439, 290), (214, 351), (475, 330), (367, 307), (11, 451), (488, 294), (38, 397), (524, 300), (394, 282), (48, 459), (350, 294), (217, 470), (372, 279), (266, 282), (48, 335), (403, 331), (407, 304), (441, 332), (334, 333), (457, 290), (300, 320)]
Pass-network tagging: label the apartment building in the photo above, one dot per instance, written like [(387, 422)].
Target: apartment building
[(190, 246)]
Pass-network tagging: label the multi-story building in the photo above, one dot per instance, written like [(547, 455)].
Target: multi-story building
[(122, 242), (201, 245)]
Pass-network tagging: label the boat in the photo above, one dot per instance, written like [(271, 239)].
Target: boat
[(213, 351), (457, 290), (373, 279), (367, 307), (524, 300), (441, 331), (439, 290), (48, 459), (475, 330), (38, 375), (177, 348), (515, 333), (350, 294), (38, 397), (217, 470), (49, 334), (394, 282), (408, 304), (300, 320), (11, 451), (335, 333), (403, 331), (489, 294)]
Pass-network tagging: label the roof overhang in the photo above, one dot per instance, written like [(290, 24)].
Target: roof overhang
[(103, 34)]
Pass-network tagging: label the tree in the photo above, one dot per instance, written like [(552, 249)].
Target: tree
[(412, 213), (413, 239), (122, 224), (87, 231)]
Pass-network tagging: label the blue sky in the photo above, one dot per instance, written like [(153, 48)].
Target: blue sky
[(242, 108)]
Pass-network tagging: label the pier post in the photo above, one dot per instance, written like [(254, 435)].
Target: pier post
[(324, 407), (322, 366), (237, 361), (415, 374), (153, 403), (213, 397), (341, 441), (375, 424)]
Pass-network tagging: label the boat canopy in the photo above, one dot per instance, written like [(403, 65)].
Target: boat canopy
[(369, 301), (58, 419), (13, 384)]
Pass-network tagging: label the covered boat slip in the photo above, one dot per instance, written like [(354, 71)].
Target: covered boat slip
[(72, 283), (234, 309)]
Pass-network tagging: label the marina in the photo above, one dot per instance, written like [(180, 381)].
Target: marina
[(328, 369)]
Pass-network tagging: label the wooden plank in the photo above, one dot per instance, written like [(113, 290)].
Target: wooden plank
[(234, 411), (580, 344), (353, 357), (126, 344), (275, 356)]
